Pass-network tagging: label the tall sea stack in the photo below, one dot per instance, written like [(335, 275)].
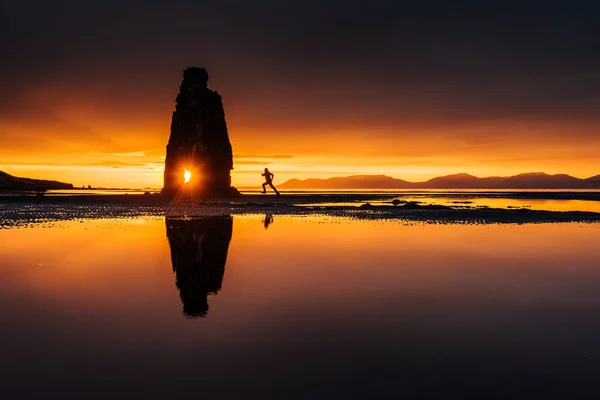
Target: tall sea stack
[(199, 142)]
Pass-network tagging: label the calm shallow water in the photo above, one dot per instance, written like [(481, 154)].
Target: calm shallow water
[(464, 200), (306, 307)]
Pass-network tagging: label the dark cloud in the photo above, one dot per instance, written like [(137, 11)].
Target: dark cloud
[(349, 62)]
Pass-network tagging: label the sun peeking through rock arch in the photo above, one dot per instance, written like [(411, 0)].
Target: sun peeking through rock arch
[(199, 141)]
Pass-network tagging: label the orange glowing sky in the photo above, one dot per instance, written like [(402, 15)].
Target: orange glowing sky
[(364, 92)]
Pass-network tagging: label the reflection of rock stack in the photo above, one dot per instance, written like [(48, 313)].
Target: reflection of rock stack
[(199, 253), (199, 141)]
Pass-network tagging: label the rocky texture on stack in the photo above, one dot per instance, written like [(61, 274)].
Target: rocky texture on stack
[(199, 142)]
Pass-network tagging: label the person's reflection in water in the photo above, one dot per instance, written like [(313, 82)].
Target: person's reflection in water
[(268, 220), (199, 253)]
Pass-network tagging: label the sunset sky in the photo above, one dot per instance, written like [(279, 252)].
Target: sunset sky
[(310, 88)]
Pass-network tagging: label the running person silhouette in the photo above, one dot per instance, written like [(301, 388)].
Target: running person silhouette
[(268, 181)]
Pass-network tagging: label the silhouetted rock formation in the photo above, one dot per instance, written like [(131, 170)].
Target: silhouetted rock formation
[(199, 141), (12, 183), (198, 254)]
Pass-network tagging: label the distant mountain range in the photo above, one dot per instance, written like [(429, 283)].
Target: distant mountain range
[(535, 180), (12, 183)]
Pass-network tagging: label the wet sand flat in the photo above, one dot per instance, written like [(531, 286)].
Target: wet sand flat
[(432, 207)]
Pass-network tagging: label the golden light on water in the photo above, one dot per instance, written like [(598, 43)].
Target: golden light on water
[(187, 175)]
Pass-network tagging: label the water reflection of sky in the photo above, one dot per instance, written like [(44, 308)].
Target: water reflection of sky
[(308, 308), (476, 202)]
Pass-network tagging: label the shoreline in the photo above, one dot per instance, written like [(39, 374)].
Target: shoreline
[(160, 200), (19, 211), (291, 197), (17, 215)]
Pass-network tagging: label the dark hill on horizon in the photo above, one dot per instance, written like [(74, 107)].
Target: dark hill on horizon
[(349, 182), (535, 180), (12, 183)]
